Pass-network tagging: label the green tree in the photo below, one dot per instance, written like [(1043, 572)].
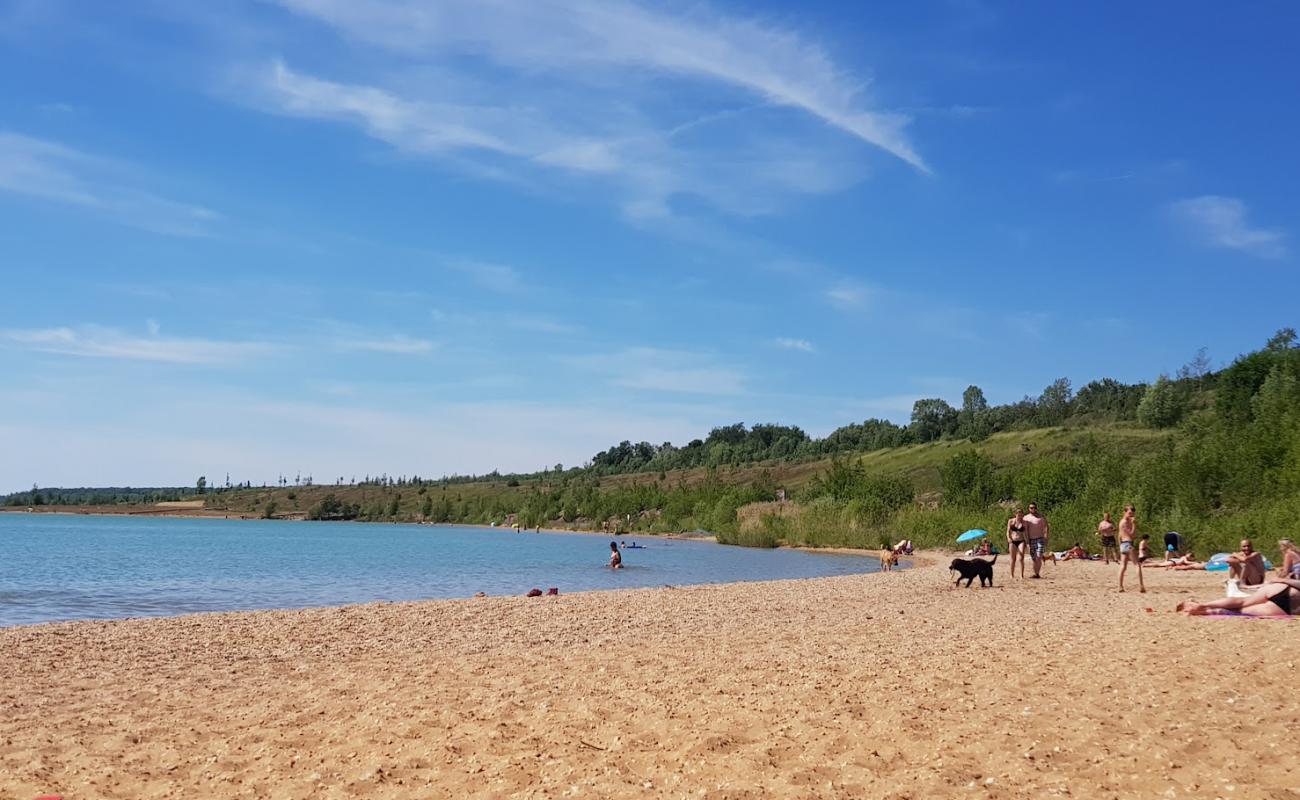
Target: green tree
[(968, 480), (269, 511), (1161, 406), (1284, 339), (426, 508), (201, 484), (1054, 402), (932, 418)]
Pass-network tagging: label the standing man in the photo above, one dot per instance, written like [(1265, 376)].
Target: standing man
[(1128, 549), (1036, 531), (1106, 530)]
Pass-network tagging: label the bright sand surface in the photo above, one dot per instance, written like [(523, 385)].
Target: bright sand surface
[(890, 685)]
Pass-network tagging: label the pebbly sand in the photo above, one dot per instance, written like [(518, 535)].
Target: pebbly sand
[(890, 685)]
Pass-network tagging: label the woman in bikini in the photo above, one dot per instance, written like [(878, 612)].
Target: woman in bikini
[(1279, 597), (1016, 544)]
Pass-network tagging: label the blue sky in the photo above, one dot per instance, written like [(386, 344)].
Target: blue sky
[(340, 237)]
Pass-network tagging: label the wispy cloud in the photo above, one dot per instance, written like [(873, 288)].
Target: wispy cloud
[(571, 36), (393, 345), (803, 345), (52, 172), (847, 295), (661, 370), (495, 277), (1221, 222), (93, 341), (578, 95)]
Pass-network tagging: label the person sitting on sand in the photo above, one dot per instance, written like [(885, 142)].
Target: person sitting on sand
[(1144, 548), (1277, 598), (615, 557), (1290, 559), (1247, 566)]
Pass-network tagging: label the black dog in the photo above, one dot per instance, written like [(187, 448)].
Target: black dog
[(970, 568)]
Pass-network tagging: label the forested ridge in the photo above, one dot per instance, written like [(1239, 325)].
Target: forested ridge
[(1213, 454)]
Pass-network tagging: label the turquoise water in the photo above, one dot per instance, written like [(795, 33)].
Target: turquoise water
[(61, 567)]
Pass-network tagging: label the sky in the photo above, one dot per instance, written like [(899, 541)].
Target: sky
[(346, 237)]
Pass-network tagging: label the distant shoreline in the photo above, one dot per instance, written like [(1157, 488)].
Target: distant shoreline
[(208, 513)]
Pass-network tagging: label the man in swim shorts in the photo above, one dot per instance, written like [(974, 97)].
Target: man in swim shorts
[(1036, 532), (1128, 547), (1109, 546)]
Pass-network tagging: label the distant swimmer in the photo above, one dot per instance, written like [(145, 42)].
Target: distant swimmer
[(615, 557)]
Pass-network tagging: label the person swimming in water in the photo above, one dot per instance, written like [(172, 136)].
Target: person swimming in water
[(615, 557)]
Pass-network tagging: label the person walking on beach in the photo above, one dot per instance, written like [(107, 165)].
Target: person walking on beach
[(615, 557), (1109, 546), (1016, 544), (1036, 532), (1128, 547)]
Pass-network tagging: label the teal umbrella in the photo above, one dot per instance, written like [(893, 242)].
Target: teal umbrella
[(973, 533)]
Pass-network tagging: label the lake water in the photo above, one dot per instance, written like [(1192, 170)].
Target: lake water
[(61, 567)]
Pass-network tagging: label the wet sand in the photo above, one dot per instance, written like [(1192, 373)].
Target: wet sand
[(890, 685)]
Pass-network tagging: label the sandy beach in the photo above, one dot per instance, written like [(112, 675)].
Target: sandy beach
[(891, 685)]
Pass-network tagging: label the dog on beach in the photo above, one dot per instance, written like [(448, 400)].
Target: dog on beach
[(972, 568)]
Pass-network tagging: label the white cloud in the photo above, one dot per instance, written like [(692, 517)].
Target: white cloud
[(647, 105), (55, 173), (1221, 222), (802, 345), (581, 37), (92, 341), (153, 326)]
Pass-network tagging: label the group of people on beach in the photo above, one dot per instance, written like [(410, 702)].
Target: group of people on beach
[(1251, 592)]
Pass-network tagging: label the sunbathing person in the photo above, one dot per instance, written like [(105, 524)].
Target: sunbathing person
[(1074, 553), (1187, 561), (1277, 598)]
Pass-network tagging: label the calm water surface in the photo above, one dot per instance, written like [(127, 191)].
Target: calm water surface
[(61, 567)]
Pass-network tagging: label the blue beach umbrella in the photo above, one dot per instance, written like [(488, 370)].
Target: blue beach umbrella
[(974, 533)]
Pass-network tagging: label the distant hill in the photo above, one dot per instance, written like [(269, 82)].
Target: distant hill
[(1214, 455)]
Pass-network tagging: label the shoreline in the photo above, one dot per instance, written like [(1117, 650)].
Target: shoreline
[(888, 684)]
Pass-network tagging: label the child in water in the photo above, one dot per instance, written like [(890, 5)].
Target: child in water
[(615, 557)]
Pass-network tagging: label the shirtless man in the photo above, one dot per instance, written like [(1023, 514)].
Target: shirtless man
[(1246, 566), (1106, 530), (1128, 547), (1036, 532)]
